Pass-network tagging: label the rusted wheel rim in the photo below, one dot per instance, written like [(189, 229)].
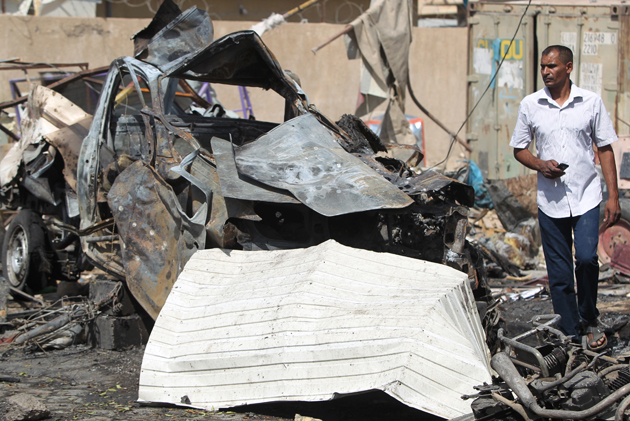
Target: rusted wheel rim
[(609, 238)]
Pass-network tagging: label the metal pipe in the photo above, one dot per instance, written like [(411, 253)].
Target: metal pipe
[(47, 328), (101, 239), (24, 294), (603, 357), (572, 355), (503, 365), (553, 319), (612, 368), (60, 83), (558, 382), (528, 366), (515, 406), (536, 353), (9, 133), (622, 409)]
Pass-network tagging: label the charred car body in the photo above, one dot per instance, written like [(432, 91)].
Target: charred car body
[(163, 173)]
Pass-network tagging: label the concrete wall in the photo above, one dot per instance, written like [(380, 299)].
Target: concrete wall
[(437, 64), (438, 69), (330, 11)]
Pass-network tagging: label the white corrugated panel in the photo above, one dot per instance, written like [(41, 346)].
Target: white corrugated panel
[(244, 327)]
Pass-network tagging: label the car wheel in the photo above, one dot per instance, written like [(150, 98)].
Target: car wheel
[(23, 252), (617, 234)]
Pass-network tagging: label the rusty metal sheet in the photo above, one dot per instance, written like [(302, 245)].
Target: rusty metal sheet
[(239, 186), (68, 141), (48, 111), (157, 237), (303, 157), (240, 58), (222, 209), (621, 259), (186, 33), (430, 181), (89, 185), (39, 188)]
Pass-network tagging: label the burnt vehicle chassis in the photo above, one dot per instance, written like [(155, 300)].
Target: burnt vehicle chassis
[(42, 239), (542, 375), (158, 179)]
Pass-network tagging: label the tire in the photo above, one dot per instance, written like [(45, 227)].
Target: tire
[(23, 252)]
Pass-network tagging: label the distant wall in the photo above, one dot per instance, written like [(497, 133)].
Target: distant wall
[(437, 64), (331, 11)]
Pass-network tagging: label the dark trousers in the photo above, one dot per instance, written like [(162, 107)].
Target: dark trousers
[(557, 245)]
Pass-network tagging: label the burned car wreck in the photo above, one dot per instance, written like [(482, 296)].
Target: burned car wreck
[(162, 173)]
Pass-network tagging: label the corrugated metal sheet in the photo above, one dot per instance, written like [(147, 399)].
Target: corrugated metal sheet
[(309, 324)]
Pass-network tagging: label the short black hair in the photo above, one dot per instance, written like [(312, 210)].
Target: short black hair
[(564, 53)]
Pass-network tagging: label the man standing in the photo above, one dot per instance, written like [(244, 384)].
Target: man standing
[(566, 121)]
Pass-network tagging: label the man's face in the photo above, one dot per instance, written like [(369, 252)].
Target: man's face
[(554, 72)]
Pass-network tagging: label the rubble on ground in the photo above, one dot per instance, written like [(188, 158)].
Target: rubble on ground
[(544, 374), (24, 407)]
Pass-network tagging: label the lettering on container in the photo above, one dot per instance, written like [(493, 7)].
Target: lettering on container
[(591, 77), (592, 40), (513, 51), (569, 39)]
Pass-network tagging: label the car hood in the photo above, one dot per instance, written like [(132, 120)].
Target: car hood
[(241, 59)]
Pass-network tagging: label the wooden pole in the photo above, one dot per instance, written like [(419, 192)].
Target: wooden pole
[(301, 7), (347, 29)]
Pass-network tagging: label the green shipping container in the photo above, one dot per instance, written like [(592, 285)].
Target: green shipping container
[(597, 33)]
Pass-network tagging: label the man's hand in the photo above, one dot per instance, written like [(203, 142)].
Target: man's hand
[(612, 212), (549, 169)]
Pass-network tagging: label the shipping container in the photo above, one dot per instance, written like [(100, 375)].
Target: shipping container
[(597, 33)]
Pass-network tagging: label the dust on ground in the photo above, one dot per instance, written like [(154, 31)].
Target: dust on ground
[(612, 301), (83, 383)]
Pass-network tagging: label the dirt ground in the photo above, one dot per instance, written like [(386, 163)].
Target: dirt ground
[(83, 383), (613, 302)]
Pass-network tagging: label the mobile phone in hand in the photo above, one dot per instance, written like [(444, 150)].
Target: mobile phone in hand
[(563, 166)]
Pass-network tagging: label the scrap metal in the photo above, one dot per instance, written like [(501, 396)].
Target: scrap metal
[(552, 378), (158, 177), (312, 324)]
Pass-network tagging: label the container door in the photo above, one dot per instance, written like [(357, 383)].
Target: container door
[(592, 33), (490, 126), (623, 96)]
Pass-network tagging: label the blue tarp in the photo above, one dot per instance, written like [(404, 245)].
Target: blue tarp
[(475, 179)]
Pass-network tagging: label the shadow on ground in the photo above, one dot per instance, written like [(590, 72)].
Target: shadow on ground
[(370, 406)]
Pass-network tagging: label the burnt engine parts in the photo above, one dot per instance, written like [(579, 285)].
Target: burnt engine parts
[(544, 375)]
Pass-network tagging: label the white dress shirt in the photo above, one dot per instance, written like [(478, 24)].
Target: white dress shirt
[(566, 134)]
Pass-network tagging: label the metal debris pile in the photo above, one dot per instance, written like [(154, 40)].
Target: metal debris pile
[(157, 173), (542, 374), (56, 325)]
